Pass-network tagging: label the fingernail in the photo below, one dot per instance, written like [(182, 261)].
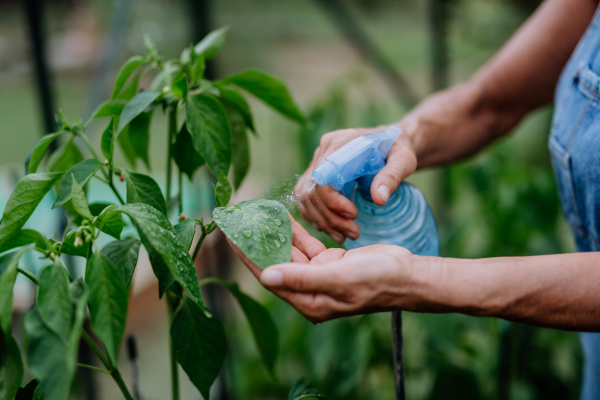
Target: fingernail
[(271, 277), (346, 215), (351, 235), (337, 238), (384, 192)]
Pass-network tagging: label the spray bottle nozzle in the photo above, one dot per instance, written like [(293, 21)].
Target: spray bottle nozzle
[(364, 155)]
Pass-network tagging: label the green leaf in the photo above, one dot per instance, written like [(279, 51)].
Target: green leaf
[(158, 234), (54, 300), (200, 345), (108, 303), (212, 43), (107, 143), (38, 152), (68, 246), (185, 155), (135, 137), (186, 231), (23, 238), (136, 106), (82, 172), (78, 199), (222, 190), (124, 255), (143, 189), (131, 89), (240, 146), (27, 392), (302, 389), (159, 267), (197, 68), (237, 100), (109, 108), (125, 72), (268, 89), (207, 123), (107, 221), (22, 203), (150, 46), (38, 394), (50, 358), (11, 364), (65, 157), (260, 228), (180, 87), (263, 327)]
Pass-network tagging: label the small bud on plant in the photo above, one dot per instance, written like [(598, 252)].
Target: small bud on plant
[(166, 89), (182, 216), (106, 162), (78, 241), (121, 177)]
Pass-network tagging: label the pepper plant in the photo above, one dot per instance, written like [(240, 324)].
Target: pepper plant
[(213, 135)]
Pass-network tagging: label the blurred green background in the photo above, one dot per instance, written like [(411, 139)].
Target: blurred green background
[(502, 202)]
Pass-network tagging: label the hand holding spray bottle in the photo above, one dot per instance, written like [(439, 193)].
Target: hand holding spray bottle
[(405, 220)]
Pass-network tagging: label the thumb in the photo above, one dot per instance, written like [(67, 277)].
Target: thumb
[(401, 162)]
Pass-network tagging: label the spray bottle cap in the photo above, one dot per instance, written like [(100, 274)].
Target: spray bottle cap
[(364, 155)]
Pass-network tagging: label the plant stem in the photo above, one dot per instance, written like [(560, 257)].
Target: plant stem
[(95, 349), (174, 368), (89, 145), (180, 191), (114, 189), (94, 368), (29, 275), (171, 134), (199, 244), (119, 380)]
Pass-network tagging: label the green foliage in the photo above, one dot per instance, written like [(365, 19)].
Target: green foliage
[(260, 228), (302, 389), (214, 133), (200, 345)]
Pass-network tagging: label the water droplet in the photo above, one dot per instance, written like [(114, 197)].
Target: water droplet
[(224, 224), (277, 222), (235, 235), (282, 238), (247, 233), (277, 244)]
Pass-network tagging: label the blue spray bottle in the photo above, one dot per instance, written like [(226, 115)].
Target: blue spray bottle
[(405, 220)]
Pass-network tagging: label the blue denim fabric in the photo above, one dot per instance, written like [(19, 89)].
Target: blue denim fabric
[(575, 147)]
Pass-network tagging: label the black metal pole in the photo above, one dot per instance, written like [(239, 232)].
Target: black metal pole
[(343, 19), (399, 370)]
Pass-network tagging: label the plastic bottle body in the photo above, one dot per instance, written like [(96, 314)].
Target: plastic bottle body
[(405, 220)]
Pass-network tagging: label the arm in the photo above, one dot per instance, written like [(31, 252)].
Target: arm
[(458, 122), (556, 291)]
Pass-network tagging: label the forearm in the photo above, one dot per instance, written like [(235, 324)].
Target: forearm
[(458, 122), (557, 291)]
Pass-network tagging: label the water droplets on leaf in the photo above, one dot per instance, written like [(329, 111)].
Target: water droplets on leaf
[(277, 222), (235, 235), (247, 233), (282, 238), (277, 244)]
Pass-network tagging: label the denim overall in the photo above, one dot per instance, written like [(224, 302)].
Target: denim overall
[(575, 148)]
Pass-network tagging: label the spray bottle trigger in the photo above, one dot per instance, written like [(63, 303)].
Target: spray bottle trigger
[(348, 189)]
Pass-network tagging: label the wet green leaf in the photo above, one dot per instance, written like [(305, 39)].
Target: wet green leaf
[(134, 139), (124, 255), (108, 303), (143, 189), (158, 234), (185, 155), (107, 221), (186, 231), (260, 228), (268, 89), (11, 364), (200, 345), (107, 143), (39, 150), (207, 123), (302, 389), (263, 327), (54, 300), (23, 238), (135, 107), (79, 200), (82, 172), (222, 190), (212, 43), (130, 66), (22, 203), (237, 100)]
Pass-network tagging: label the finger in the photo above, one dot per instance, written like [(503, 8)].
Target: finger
[(401, 162), (348, 227), (316, 307), (306, 244), (302, 278), (321, 222), (337, 202), (298, 256)]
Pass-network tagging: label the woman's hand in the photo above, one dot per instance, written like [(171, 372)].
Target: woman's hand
[(328, 210), (324, 284)]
